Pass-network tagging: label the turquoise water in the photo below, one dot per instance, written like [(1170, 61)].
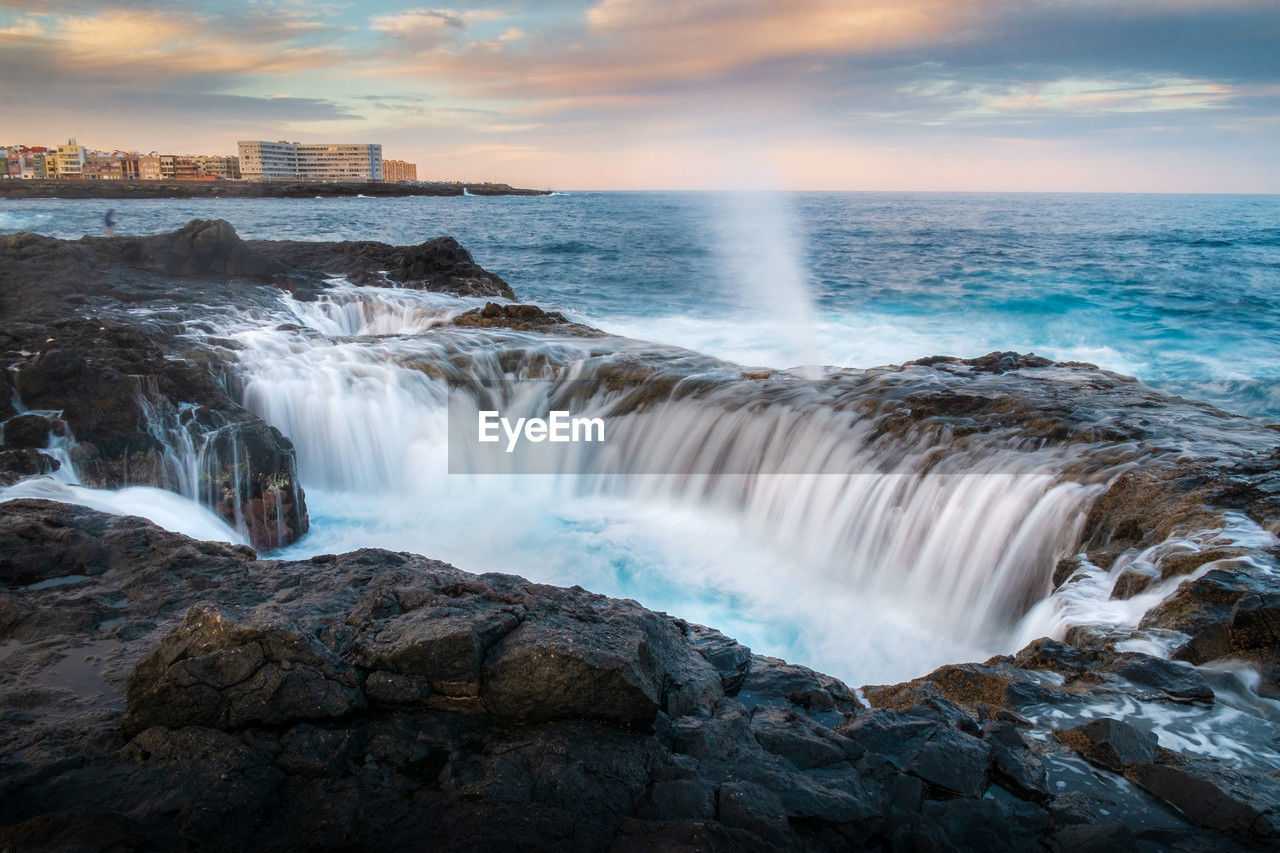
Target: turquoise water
[(1180, 291)]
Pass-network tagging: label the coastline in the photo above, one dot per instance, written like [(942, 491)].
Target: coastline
[(376, 697), (245, 189)]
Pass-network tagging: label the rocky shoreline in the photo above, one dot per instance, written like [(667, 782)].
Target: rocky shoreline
[(248, 189), (159, 692)]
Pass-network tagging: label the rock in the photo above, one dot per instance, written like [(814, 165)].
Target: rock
[(540, 672), (441, 264), (524, 318), (307, 705), (1255, 623), (316, 752), (91, 371), (72, 832), (799, 740), (17, 465), (728, 657), (769, 681), (678, 799), (1176, 681), (940, 755), (966, 685), (724, 735), (1054, 656), (1110, 743), (219, 673), (40, 541), (989, 824), (1013, 764), (200, 248), (27, 431), (442, 647), (1202, 801), (1131, 583), (1090, 838), (1201, 604), (751, 807)]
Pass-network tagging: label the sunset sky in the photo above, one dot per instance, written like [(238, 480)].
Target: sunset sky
[(1149, 95)]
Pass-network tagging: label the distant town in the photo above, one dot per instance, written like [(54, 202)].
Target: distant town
[(255, 160)]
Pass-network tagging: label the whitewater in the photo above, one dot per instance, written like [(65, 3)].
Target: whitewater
[(802, 534)]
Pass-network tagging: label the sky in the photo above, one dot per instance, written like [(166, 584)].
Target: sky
[(990, 95)]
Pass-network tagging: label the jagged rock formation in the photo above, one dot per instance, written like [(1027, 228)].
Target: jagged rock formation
[(171, 693), (441, 265), (522, 318), (160, 692), (193, 694), (123, 386)]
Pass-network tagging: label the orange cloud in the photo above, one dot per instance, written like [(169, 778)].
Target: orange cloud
[(156, 43), (632, 44)]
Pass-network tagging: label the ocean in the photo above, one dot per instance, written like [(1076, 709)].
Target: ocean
[(872, 580), (1177, 290)]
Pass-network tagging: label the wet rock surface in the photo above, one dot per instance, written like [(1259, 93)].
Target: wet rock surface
[(85, 365), (441, 265), (523, 318), (159, 692), (174, 693)]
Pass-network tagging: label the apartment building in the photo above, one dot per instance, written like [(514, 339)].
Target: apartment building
[(397, 171), (216, 166), (149, 167), (71, 159), (273, 161)]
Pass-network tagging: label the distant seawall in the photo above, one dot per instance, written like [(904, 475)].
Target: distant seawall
[(243, 189)]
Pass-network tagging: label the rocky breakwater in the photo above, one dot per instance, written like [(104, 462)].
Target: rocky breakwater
[(95, 360), (251, 189)]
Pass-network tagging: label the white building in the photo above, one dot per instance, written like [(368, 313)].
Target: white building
[(273, 161)]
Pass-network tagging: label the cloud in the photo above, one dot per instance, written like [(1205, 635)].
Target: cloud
[(527, 80), (146, 44), (426, 29)]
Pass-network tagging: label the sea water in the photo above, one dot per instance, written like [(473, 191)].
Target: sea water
[(1176, 290)]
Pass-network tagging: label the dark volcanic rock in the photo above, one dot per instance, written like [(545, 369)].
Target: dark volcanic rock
[(200, 248), (382, 698), (17, 465), (374, 699), (441, 264), (73, 342), (213, 671), (524, 318), (27, 431), (1110, 743), (119, 393), (1207, 801)]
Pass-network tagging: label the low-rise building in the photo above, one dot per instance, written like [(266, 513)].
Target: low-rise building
[(217, 166), (398, 171), (34, 164), (149, 167), (273, 161)]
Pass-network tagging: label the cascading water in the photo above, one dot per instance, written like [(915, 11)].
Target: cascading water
[(905, 560), (170, 507)]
